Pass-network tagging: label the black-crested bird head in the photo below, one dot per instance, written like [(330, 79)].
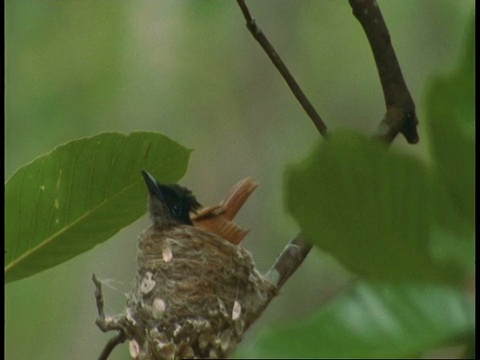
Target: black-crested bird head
[(169, 204)]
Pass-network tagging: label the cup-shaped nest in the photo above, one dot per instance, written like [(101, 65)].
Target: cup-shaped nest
[(194, 294)]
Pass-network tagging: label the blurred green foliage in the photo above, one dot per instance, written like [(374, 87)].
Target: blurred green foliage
[(374, 321), (192, 71), (372, 209), (451, 120), (391, 220)]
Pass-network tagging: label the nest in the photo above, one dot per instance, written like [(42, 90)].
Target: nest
[(194, 294)]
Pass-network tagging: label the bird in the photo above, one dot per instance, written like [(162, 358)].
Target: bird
[(196, 288), (174, 204)]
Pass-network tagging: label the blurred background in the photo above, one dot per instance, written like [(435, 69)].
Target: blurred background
[(192, 71)]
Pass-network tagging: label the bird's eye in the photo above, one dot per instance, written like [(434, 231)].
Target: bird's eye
[(176, 210)]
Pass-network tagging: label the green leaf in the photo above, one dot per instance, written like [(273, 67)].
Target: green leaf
[(452, 248), (381, 321), (451, 125), (372, 209), (79, 195)]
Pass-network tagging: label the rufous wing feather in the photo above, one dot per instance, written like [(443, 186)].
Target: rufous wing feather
[(237, 196), (218, 219)]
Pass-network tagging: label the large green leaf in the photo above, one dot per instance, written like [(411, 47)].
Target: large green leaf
[(380, 321), (451, 125), (373, 209), (79, 195)]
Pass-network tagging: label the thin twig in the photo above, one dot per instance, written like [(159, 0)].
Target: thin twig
[(108, 324), (285, 265), (111, 344), (289, 260), (99, 297), (400, 115), (281, 67)]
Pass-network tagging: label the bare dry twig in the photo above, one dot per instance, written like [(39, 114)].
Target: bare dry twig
[(289, 260), (111, 344), (400, 115), (280, 65), (108, 324)]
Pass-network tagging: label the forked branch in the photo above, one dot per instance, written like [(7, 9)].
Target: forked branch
[(399, 118)]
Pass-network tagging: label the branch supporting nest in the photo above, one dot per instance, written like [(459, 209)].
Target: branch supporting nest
[(289, 260)]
